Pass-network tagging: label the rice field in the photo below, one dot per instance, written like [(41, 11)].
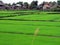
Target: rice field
[(18, 27)]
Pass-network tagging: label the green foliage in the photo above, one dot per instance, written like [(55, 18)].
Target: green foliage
[(58, 2), (34, 4), (26, 5)]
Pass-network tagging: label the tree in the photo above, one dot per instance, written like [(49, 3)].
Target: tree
[(14, 4), (20, 3), (58, 7), (34, 4), (58, 2), (26, 5), (54, 3), (43, 3)]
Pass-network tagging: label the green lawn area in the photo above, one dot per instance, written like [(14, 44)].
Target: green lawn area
[(45, 27)]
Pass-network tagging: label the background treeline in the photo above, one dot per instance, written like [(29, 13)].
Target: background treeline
[(50, 6)]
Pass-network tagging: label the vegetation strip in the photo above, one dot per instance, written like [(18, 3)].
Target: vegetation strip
[(32, 20), (16, 14), (54, 13), (29, 34), (32, 24), (42, 25)]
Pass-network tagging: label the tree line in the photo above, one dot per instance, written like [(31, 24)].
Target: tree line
[(33, 5)]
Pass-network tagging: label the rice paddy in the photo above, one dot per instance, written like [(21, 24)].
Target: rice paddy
[(18, 27)]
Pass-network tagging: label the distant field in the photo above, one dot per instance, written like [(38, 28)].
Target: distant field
[(17, 28)]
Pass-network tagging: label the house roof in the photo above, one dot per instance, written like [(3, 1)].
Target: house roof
[(18, 5), (1, 3)]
